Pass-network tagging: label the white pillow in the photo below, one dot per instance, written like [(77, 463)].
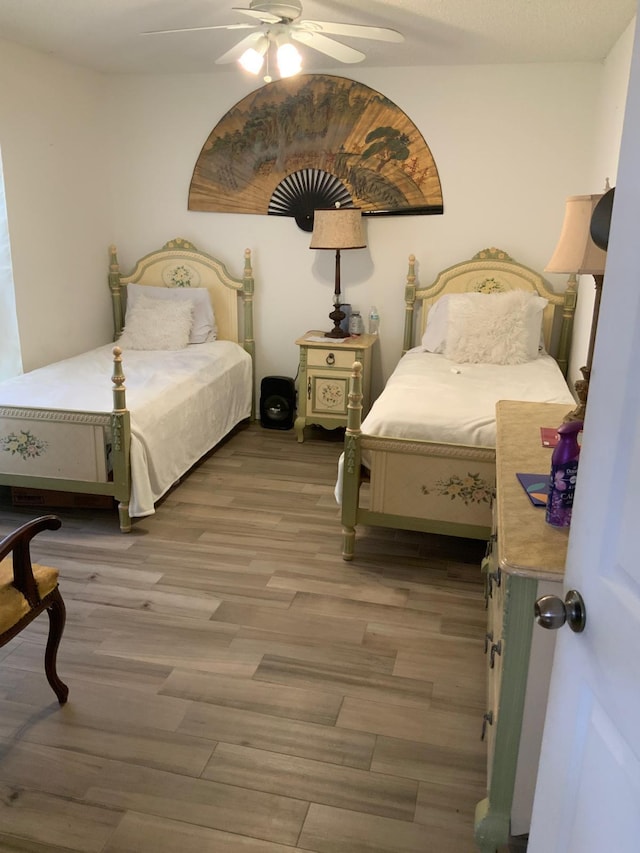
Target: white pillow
[(157, 324), (495, 328), (435, 333), (204, 324)]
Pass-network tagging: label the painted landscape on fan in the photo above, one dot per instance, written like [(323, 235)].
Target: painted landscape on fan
[(312, 141)]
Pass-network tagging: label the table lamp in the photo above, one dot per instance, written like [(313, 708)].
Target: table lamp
[(337, 228)]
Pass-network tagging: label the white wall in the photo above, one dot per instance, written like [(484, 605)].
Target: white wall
[(56, 180), (504, 140), (606, 131), (92, 159)]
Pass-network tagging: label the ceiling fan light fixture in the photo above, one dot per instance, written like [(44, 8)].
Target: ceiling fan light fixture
[(278, 23), (289, 60), (252, 59)]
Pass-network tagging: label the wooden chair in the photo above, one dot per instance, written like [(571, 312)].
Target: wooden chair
[(26, 590)]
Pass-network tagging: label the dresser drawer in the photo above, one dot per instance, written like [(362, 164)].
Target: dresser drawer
[(342, 358)]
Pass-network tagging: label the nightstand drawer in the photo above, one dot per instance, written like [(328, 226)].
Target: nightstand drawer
[(337, 357)]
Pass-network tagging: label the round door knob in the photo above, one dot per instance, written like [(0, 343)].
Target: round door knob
[(552, 612)]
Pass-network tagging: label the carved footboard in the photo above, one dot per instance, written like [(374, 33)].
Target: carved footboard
[(413, 485), (70, 451)]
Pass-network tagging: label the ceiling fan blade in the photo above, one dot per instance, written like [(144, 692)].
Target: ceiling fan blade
[(354, 30), (267, 17), (195, 29), (326, 45), (236, 52)]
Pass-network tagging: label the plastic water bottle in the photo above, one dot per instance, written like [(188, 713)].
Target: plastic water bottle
[(374, 321)]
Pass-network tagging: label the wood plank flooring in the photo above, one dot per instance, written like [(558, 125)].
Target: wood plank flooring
[(236, 687)]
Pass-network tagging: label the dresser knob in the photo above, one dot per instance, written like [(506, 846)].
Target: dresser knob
[(331, 359)]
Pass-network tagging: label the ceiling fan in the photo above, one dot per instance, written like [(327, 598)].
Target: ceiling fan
[(279, 24)]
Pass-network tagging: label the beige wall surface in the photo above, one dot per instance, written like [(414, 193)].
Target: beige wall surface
[(52, 136), (114, 157)]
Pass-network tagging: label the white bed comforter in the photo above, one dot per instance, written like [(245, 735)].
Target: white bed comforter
[(182, 403), (429, 398)]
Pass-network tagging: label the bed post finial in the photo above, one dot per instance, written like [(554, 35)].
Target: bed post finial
[(354, 405), (119, 391)]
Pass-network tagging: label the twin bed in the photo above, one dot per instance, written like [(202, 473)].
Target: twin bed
[(424, 457), (187, 347)]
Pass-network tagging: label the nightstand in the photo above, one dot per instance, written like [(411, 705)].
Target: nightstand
[(323, 378)]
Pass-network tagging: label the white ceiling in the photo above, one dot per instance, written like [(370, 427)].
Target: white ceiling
[(106, 34)]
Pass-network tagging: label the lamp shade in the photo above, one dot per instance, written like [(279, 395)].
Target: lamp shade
[(576, 252), (338, 228)]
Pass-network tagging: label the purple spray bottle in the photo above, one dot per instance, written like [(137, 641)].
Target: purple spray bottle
[(564, 471)]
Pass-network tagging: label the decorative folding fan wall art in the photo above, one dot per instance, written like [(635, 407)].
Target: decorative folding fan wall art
[(313, 141)]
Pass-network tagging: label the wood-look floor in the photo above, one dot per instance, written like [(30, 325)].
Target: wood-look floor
[(236, 687)]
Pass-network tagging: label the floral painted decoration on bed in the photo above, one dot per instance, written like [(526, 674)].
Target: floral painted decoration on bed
[(181, 276), (472, 489), (24, 443)]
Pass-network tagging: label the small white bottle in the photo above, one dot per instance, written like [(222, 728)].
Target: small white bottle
[(374, 321), (356, 323)]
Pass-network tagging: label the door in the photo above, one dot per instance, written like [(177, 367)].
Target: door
[(588, 792)]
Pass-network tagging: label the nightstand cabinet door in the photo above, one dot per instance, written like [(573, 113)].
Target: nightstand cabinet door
[(326, 394)]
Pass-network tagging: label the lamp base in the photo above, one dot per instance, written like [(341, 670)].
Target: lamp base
[(337, 315), (582, 385), (582, 391)]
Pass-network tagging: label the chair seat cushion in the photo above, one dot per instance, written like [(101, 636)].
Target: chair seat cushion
[(13, 605)]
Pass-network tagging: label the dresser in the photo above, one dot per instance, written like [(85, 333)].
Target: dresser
[(525, 559), (323, 378)]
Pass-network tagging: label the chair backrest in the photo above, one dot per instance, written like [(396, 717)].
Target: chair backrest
[(26, 589)]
